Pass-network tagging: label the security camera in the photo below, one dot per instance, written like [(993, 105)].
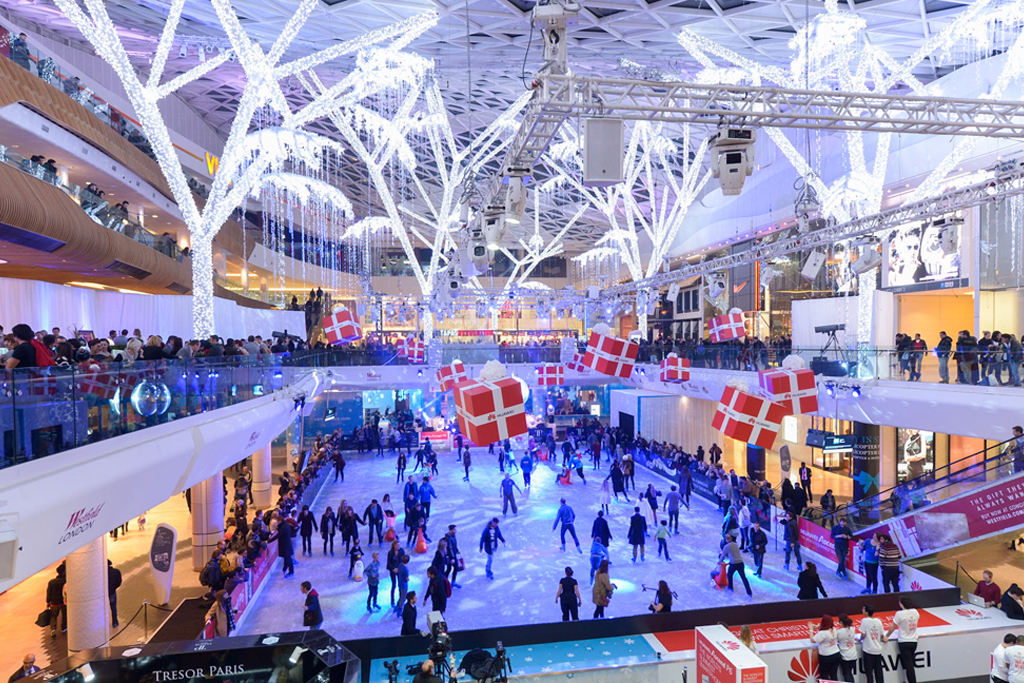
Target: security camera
[(732, 157)]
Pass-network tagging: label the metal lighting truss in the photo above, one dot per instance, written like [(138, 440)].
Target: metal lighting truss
[(1007, 183)]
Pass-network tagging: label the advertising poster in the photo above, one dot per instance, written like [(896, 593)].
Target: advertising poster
[(915, 453), (162, 552), (917, 257)]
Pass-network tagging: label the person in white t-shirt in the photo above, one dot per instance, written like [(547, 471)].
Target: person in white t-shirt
[(872, 639), (1013, 657), (827, 640), (1000, 671), (847, 648), (906, 621)]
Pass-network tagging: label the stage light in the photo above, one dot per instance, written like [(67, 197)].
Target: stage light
[(419, 373), (87, 673), (293, 658), (855, 392), (183, 51), (830, 389)]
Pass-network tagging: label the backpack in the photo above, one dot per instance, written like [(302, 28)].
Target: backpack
[(204, 576)]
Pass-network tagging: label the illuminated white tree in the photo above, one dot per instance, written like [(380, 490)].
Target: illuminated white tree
[(275, 156), (392, 147), (662, 180), (832, 52)]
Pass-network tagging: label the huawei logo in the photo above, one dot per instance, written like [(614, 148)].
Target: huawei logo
[(915, 586), (969, 613), (804, 667), (729, 645)]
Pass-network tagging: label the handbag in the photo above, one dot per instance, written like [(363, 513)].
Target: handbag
[(43, 620), (462, 564)]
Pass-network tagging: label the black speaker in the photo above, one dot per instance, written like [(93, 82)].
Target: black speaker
[(830, 368)]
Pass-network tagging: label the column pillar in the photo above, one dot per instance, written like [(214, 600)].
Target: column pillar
[(941, 442), (867, 460), (88, 603), (888, 454), (207, 519), (755, 463), (261, 477)]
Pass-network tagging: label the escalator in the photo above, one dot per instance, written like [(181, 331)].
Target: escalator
[(972, 498)]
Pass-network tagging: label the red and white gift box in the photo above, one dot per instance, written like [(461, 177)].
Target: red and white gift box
[(551, 375), (795, 390), (102, 385), (490, 411), (342, 326), (748, 418), (415, 350), (675, 370), (610, 355), (725, 327), (42, 385), (450, 375), (577, 363)]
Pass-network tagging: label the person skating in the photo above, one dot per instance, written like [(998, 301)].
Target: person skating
[(526, 466), (618, 482), (758, 546), (455, 562), (791, 536), (339, 466), (662, 536), (489, 543), (567, 518), (637, 533), (809, 583), (307, 524), (373, 583), (466, 463), (507, 489), (410, 496), (354, 555), (600, 530), (403, 584), (602, 590), (606, 495), (732, 556), (598, 554), (285, 546), (373, 518), (408, 614), (400, 467), (841, 538), (328, 528), (568, 596), (426, 493), (672, 501), (436, 591), (577, 464), (391, 564), (312, 615)]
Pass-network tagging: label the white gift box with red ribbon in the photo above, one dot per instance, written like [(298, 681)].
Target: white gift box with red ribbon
[(490, 410), (450, 375), (725, 327), (610, 355), (794, 390), (577, 363), (342, 326), (675, 370), (551, 375), (415, 350), (748, 418)]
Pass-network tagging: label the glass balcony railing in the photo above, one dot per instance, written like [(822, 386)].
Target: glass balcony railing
[(49, 410), (94, 206), (969, 366)]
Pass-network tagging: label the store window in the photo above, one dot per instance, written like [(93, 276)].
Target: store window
[(915, 453)]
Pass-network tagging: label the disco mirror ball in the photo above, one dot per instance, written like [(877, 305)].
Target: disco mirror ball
[(151, 398)]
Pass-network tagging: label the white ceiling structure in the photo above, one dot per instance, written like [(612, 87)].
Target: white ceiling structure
[(504, 50)]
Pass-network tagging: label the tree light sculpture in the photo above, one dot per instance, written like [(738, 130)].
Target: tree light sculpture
[(251, 160), (662, 180), (390, 148)]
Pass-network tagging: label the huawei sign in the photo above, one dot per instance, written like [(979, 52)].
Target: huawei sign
[(915, 586), (728, 645), (804, 667), (968, 613)]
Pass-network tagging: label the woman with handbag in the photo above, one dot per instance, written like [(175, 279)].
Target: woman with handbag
[(312, 615), (603, 589)]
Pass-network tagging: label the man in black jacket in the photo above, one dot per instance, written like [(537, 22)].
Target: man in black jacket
[(758, 546), (113, 583), (453, 556), (409, 615), (373, 518), (600, 530), (55, 600), (312, 615), (942, 350)]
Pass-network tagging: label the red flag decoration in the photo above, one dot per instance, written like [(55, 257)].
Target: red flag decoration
[(450, 375), (577, 363), (725, 327), (551, 375), (748, 418), (675, 370), (100, 384), (342, 326), (415, 350), (41, 385), (610, 355), (490, 410), (794, 390)]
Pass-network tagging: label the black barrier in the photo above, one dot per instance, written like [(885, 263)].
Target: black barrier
[(532, 634)]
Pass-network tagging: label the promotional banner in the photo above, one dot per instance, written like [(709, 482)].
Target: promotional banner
[(969, 517), (162, 552), (785, 463), (819, 539), (867, 459), (722, 658)]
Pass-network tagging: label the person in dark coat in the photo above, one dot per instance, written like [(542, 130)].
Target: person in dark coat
[(600, 530), (810, 583), (312, 615), (328, 528), (436, 591), (373, 518), (618, 481), (285, 547), (637, 532), (307, 524), (409, 615), (1011, 602)]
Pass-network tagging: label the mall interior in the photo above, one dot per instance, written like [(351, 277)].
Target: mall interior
[(617, 340)]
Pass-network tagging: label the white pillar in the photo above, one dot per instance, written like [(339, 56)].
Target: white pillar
[(207, 519), (261, 477), (88, 603)]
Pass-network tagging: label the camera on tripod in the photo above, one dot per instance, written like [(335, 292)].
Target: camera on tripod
[(392, 669), (440, 649)]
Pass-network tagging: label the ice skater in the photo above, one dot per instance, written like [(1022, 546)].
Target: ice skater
[(601, 531), (577, 464), (508, 496), (637, 533), (466, 463), (328, 528), (672, 501), (567, 518), (400, 466), (606, 495), (489, 543), (662, 535), (526, 466), (618, 481)]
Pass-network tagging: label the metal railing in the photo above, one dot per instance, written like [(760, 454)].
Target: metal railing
[(44, 411)]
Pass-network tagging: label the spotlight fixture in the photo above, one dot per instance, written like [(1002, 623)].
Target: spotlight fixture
[(183, 51), (855, 391), (419, 373), (293, 658), (87, 673), (830, 388)]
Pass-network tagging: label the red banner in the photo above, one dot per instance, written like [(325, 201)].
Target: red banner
[(819, 539)]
